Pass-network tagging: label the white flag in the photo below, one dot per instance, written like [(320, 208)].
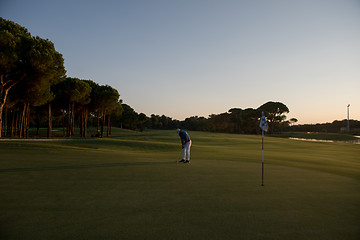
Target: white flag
[(263, 124)]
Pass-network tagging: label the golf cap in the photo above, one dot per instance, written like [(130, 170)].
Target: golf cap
[(178, 130)]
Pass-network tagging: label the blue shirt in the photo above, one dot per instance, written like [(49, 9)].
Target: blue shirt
[(183, 135)]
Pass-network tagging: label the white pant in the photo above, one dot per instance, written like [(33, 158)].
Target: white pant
[(186, 151)]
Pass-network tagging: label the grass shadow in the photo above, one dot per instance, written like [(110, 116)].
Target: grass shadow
[(85, 166)]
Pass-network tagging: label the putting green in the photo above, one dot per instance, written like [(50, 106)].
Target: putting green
[(129, 187)]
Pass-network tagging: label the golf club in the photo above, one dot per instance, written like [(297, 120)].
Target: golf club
[(178, 157)]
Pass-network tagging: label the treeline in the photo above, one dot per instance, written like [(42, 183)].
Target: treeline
[(236, 120), (334, 127), (74, 104), (244, 121), (33, 85)]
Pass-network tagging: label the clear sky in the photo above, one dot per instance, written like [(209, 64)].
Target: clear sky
[(185, 58)]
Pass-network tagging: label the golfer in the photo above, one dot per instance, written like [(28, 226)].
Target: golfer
[(186, 144)]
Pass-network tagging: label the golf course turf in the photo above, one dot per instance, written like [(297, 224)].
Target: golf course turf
[(128, 186)]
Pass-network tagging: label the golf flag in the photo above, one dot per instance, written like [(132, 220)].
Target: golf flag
[(263, 124)]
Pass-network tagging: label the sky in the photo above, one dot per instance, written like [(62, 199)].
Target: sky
[(184, 58)]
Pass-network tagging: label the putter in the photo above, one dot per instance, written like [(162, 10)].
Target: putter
[(177, 161)]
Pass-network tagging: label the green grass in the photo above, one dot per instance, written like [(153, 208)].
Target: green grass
[(129, 187)]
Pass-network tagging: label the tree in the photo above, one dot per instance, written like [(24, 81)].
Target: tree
[(106, 101), (129, 118), (115, 114), (220, 123), (274, 112), (28, 60), (292, 121), (155, 121), (14, 48), (35, 89), (195, 123), (93, 106), (142, 119), (244, 121), (70, 92)]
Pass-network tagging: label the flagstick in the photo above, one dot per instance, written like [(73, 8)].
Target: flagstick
[(263, 125), (262, 163)]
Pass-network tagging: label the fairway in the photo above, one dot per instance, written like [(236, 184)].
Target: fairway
[(128, 186)]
